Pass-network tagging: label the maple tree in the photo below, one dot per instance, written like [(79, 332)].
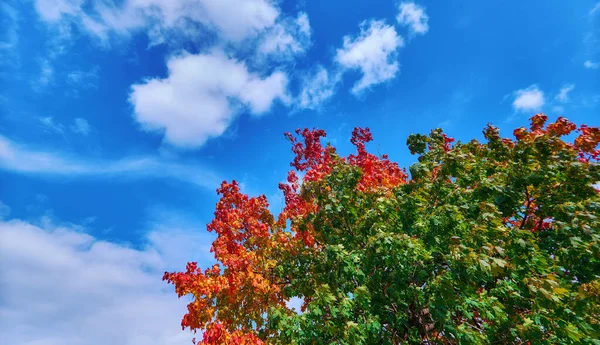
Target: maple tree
[(485, 243)]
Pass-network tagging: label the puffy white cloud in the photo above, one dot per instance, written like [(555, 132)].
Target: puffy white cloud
[(563, 94), (80, 126), (61, 285), (317, 88), (14, 157), (373, 52), (529, 99), (591, 65), (201, 96), (413, 16)]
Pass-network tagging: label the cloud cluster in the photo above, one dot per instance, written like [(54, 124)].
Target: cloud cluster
[(203, 92), (373, 52), (244, 70), (61, 285)]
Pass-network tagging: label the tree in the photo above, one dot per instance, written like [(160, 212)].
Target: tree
[(485, 243)]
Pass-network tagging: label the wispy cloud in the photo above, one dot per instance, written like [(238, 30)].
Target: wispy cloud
[(563, 94), (14, 157), (9, 36), (83, 79), (286, 39), (591, 38), (79, 125), (50, 125), (317, 87), (46, 74)]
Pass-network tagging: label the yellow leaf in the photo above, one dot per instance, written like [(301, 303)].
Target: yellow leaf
[(561, 291)]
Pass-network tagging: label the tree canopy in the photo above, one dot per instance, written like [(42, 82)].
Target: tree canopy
[(494, 242)]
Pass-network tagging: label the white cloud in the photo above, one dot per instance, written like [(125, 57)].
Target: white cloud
[(14, 157), (238, 19), (529, 99), (591, 65), (80, 126), (317, 88), (201, 96), (413, 16), (286, 39), (63, 286), (303, 23), (563, 94), (54, 10), (373, 52), (233, 20)]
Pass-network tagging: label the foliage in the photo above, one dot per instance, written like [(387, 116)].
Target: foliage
[(485, 243)]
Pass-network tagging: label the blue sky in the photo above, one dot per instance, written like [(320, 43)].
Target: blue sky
[(119, 118)]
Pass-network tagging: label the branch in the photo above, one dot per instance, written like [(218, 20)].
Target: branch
[(526, 209)]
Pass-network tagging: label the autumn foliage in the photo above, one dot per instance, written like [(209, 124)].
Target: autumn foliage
[(485, 243)]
